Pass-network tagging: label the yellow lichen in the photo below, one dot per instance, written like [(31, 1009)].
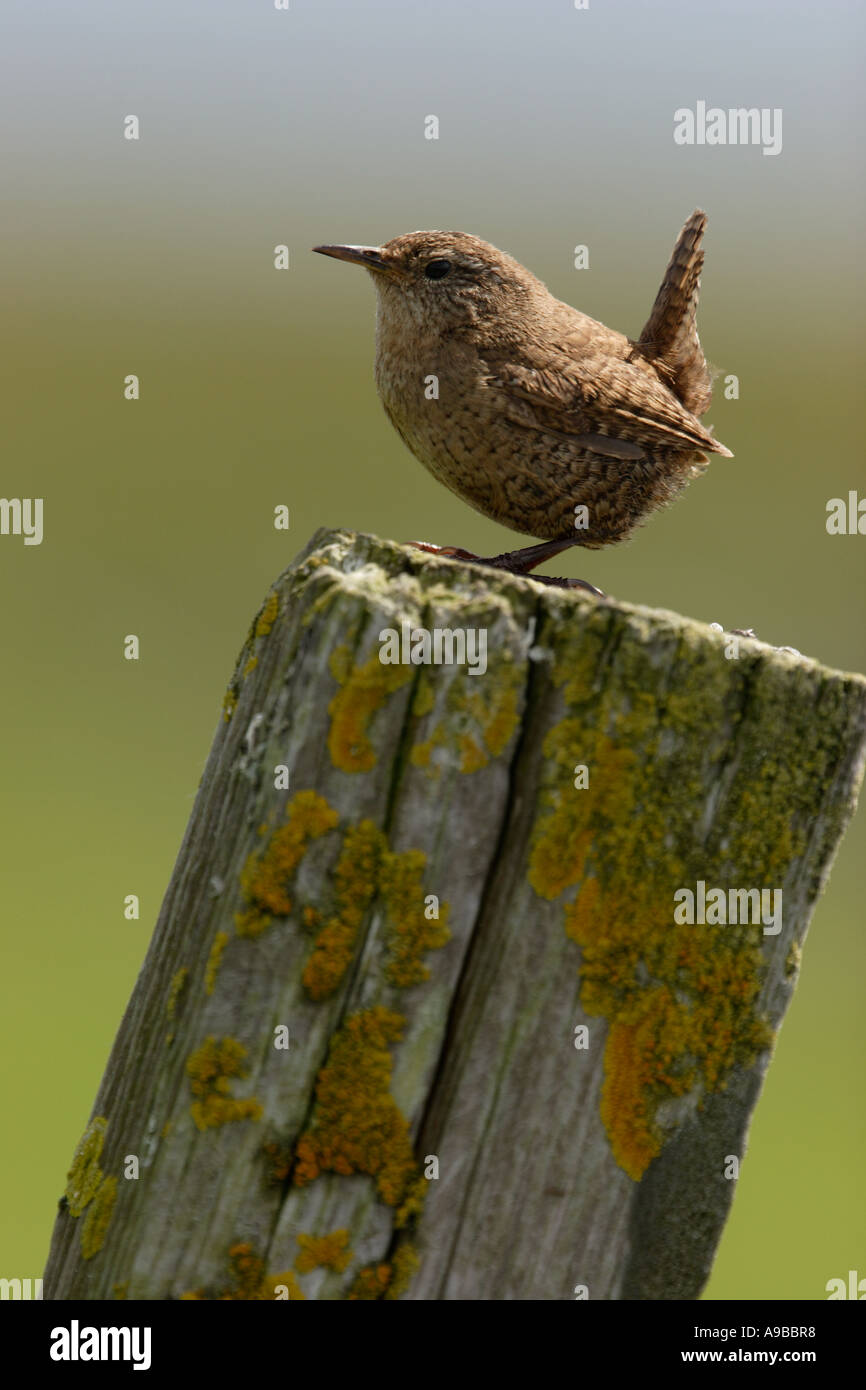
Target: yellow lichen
[(411, 932), (495, 706), (178, 984), (357, 1127), (366, 866), (680, 1000), (85, 1174), (267, 617), (230, 701), (95, 1224), (421, 752), (404, 1267), (356, 877), (250, 667), (213, 961), (472, 757), (423, 699), (363, 690), (479, 720), (324, 1252), (267, 875), (212, 1068)]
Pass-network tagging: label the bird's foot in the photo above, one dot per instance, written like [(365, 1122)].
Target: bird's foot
[(516, 562)]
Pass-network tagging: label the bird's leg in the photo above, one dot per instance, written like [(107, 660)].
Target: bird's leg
[(516, 561)]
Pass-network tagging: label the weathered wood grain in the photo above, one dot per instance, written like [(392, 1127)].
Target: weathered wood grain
[(594, 1160)]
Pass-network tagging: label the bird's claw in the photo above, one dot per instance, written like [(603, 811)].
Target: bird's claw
[(510, 563)]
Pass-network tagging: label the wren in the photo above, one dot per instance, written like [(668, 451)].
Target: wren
[(540, 417)]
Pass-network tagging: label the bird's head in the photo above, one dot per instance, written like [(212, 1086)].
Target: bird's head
[(437, 282)]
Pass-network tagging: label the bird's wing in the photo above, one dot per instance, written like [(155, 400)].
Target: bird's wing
[(607, 405)]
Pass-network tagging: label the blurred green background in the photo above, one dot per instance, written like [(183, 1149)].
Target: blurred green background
[(156, 257)]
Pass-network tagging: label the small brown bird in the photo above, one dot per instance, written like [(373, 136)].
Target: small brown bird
[(537, 415)]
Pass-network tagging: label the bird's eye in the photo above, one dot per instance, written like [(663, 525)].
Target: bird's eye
[(435, 270)]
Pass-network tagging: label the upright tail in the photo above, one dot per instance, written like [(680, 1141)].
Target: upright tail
[(670, 335)]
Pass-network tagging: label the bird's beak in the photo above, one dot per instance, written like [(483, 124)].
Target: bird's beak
[(368, 256)]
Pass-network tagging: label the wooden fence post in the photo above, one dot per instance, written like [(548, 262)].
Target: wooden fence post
[(468, 973)]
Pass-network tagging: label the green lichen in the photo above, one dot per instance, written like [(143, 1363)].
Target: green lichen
[(176, 989), (357, 1126), (94, 1227), (268, 874), (214, 959), (211, 1069)]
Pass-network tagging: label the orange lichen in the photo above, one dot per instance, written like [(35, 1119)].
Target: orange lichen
[(680, 1000), (279, 1161), (212, 1068), (366, 866), (363, 690), (386, 1281), (251, 1284), (357, 1127), (356, 877), (268, 874), (370, 1283), (324, 1252)]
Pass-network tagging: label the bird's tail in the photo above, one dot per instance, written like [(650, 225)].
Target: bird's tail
[(670, 335)]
